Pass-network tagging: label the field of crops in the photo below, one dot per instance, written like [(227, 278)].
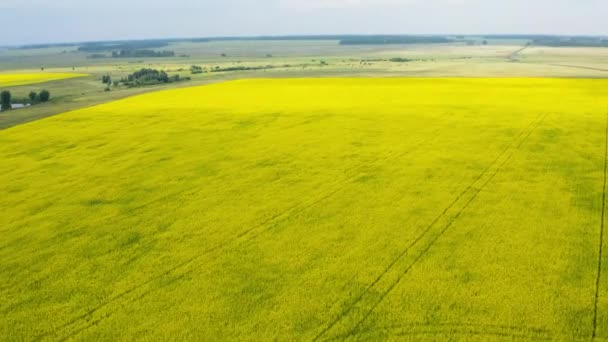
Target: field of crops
[(311, 209), (10, 80)]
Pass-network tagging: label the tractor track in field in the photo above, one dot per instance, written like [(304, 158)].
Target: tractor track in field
[(482, 333), (416, 329), (514, 56), (430, 245), (246, 236), (513, 146), (601, 243)]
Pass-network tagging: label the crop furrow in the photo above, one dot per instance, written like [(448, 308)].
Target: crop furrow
[(500, 160), (196, 262), (601, 243), (461, 328)]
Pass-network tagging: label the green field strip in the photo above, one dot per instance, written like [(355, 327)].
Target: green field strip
[(359, 310), (450, 330)]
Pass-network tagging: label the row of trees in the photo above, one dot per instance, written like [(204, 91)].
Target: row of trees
[(196, 69), (43, 96), (145, 77), (6, 98)]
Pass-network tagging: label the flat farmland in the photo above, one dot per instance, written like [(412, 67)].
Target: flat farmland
[(311, 209)]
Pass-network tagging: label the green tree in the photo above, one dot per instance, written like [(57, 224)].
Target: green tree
[(5, 100), (44, 96), (163, 77), (33, 96), (196, 69)]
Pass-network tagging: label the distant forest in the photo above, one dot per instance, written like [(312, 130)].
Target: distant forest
[(101, 46), (381, 40), (572, 41), (541, 40), (141, 53), (555, 41), (127, 45)]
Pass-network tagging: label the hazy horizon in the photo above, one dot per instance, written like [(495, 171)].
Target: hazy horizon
[(40, 21), (298, 35)]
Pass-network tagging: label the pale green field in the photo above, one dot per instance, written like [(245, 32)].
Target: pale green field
[(311, 209)]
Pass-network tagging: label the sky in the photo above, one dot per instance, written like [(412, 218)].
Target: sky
[(46, 21)]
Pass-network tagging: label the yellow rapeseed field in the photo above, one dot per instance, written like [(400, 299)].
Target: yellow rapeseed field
[(10, 80), (311, 209)]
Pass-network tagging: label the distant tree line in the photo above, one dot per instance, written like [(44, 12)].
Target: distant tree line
[(141, 53), (571, 42), (44, 46), (134, 54), (101, 46), (97, 56), (538, 36), (400, 60), (146, 77), (343, 39), (518, 36), (550, 40), (250, 68), (382, 40), (129, 45), (394, 60), (43, 96), (6, 98), (196, 69)]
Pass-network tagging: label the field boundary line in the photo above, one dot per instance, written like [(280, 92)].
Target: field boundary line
[(473, 332), (523, 136), (577, 67), (433, 241), (514, 56), (413, 329), (601, 244), (271, 222), (479, 333)]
